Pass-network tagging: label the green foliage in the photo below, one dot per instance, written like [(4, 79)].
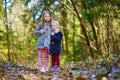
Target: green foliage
[(3, 45), (103, 14), (2, 35), (1, 8)]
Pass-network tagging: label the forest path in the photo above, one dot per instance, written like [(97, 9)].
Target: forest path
[(81, 71)]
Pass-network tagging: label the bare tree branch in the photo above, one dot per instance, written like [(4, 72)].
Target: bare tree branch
[(68, 8)]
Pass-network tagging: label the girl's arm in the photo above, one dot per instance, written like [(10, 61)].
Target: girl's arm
[(38, 30), (57, 37)]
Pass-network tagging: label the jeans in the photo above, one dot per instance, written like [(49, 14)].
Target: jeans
[(56, 60), (43, 56)]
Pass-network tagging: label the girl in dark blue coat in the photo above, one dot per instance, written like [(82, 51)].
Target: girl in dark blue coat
[(55, 45)]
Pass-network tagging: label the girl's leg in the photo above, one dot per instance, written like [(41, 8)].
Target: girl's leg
[(40, 55), (53, 60), (57, 59), (46, 58)]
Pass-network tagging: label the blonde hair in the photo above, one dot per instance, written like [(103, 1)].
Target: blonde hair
[(57, 23)]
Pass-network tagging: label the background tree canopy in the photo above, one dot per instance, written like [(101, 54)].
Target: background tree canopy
[(91, 29)]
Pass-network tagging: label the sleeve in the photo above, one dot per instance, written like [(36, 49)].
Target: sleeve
[(57, 37), (38, 30)]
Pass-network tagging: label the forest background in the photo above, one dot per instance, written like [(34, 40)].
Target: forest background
[(91, 29)]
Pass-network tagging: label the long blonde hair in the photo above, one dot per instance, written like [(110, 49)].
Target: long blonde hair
[(43, 20)]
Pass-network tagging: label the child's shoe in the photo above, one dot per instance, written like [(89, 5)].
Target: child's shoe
[(42, 70), (47, 70), (53, 67), (56, 68)]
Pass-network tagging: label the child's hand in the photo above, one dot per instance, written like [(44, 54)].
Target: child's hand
[(52, 33), (56, 31), (43, 30)]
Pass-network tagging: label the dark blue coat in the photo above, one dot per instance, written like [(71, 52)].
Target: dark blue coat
[(55, 45)]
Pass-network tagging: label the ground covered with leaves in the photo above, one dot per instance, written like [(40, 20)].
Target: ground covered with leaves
[(83, 70)]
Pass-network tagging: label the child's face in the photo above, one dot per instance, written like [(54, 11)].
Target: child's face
[(54, 26), (47, 17)]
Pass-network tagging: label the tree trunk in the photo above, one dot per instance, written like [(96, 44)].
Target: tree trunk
[(65, 32), (95, 37), (7, 30), (94, 31), (74, 29), (83, 29)]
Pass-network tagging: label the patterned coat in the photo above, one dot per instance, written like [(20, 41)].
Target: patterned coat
[(43, 39)]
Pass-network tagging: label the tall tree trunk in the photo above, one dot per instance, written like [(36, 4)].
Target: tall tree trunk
[(74, 25), (94, 31), (65, 32), (95, 37), (7, 30), (108, 33), (83, 28)]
